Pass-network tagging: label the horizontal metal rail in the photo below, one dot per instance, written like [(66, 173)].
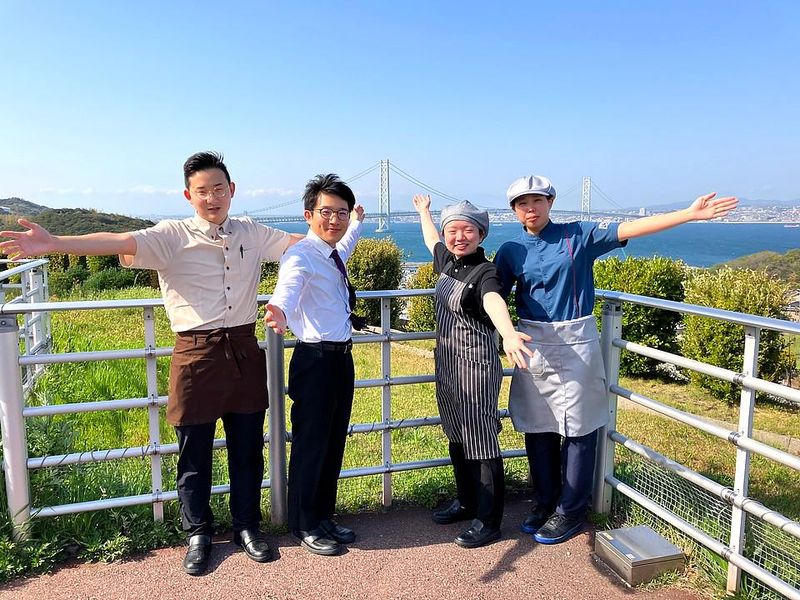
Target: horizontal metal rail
[(727, 494), (734, 437), (747, 381), (703, 311)]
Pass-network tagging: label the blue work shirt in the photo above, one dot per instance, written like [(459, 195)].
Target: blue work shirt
[(553, 270)]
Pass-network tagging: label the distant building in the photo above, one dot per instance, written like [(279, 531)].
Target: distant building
[(5, 209), (643, 212)]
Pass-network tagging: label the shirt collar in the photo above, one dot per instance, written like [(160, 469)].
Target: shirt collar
[(317, 242), (211, 230), (476, 258), (545, 232)]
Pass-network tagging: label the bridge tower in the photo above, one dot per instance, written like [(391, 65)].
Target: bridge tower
[(384, 207), (586, 199)]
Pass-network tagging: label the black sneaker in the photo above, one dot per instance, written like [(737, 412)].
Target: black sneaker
[(557, 529), (534, 521)]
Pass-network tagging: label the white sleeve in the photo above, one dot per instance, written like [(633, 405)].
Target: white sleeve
[(292, 276), (348, 242)]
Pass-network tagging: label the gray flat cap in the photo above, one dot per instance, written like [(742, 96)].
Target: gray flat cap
[(532, 184), (466, 211)]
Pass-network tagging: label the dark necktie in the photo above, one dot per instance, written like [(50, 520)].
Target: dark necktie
[(357, 321)]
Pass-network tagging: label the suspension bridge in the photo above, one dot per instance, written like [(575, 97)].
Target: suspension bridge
[(385, 215)]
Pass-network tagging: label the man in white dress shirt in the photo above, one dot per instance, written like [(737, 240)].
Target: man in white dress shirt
[(314, 297)]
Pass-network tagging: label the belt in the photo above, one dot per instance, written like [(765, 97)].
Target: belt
[(343, 347)]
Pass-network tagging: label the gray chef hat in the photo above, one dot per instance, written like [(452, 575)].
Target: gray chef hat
[(466, 211), (532, 184)]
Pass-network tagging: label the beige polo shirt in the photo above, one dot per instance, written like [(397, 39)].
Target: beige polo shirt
[(208, 273)]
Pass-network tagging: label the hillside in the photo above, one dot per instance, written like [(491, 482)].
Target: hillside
[(784, 266), (76, 221), (18, 206)]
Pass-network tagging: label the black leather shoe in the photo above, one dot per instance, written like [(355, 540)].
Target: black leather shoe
[(452, 514), (316, 541), (196, 560), (333, 530), (478, 535), (254, 544)]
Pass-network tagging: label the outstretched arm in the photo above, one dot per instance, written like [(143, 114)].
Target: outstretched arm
[(429, 231), (704, 208), (513, 340), (37, 241)]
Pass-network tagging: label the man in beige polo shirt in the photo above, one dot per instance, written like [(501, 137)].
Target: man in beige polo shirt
[(208, 269)]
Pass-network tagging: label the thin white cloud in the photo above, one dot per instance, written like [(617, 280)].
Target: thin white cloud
[(266, 192), (143, 189)]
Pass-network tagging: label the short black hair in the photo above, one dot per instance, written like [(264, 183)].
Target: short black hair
[(327, 184), (203, 161)]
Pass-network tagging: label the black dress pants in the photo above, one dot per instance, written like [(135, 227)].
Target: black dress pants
[(321, 378), (244, 434)]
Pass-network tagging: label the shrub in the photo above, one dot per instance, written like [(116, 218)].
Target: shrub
[(113, 279), (721, 343), (421, 310), (61, 284), (376, 264), (101, 263), (269, 277), (658, 277)]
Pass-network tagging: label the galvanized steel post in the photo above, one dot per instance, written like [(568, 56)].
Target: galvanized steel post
[(12, 423), (386, 397), (611, 328), (741, 483), (277, 429), (153, 412)]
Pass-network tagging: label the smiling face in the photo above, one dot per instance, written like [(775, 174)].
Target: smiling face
[(210, 195), (333, 228), (461, 237), (533, 211)]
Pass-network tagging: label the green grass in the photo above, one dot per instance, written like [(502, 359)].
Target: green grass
[(109, 534)]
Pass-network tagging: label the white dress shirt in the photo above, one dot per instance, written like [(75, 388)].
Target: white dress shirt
[(312, 292)]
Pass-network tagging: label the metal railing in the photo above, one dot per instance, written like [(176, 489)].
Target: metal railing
[(31, 288), (17, 464), (736, 498)]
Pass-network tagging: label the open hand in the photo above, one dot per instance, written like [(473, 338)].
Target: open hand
[(708, 207), (421, 203), (359, 210), (23, 244), (516, 350), (275, 319)]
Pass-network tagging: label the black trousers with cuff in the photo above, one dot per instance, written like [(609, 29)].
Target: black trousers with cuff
[(244, 434), (321, 379)]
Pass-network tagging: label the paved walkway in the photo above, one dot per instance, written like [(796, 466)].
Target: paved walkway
[(399, 554)]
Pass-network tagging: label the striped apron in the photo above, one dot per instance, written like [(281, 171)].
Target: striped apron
[(468, 372), (563, 390)]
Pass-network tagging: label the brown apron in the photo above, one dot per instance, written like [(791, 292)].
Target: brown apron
[(214, 372)]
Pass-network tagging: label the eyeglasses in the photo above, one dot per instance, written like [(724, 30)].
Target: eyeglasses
[(216, 192), (327, 213)]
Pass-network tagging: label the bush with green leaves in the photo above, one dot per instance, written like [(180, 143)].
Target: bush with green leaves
[(658, 277), (114, 279), (721, 343), (62, 283), (101, 263), (421, 310), (376, 264)]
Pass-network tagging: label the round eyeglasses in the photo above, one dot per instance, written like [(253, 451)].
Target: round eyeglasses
[(327, 213), (216, 192)]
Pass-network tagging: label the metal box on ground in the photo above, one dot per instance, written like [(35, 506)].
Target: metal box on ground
[(637, 554)]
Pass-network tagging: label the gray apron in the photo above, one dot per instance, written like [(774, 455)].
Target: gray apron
[(563, 390), (468, 372)]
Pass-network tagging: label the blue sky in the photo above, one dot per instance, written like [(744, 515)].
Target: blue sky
[(101, 102)]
